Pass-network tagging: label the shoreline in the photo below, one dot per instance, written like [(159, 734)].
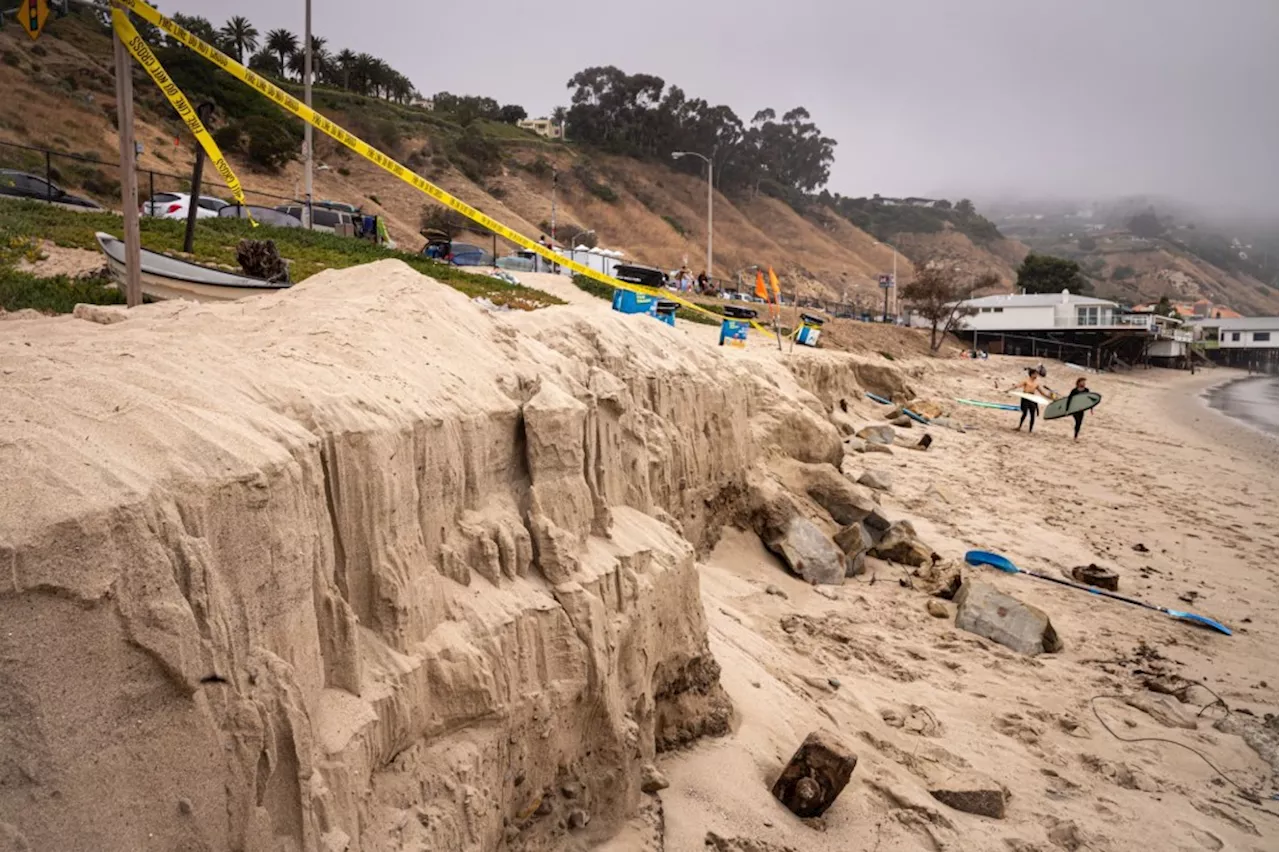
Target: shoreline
[(1231, 399)]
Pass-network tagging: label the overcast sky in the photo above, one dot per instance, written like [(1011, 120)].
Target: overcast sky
[(1087, 98)]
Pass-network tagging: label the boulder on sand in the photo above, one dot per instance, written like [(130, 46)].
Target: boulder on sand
[(844, 501), (816, 774), (901, 545), (877, 434), (1002, 618), (880, 480), (809, 553)]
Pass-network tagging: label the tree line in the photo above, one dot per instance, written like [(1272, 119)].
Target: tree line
[(638, 115), (280, 53)]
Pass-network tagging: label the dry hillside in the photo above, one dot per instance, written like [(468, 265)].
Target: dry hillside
[(60, 96)]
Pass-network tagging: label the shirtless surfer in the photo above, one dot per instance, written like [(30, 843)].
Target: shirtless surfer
[(1030, 385)]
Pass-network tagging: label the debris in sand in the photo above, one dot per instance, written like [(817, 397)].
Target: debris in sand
[(893, 414), (948, 423), (771, 589), (1165, 709), (652, 780), (939, 579), (973, 796), (1002, 618), (937, 608), (716, 843), (1141, 548), (1096, 575), (900, 544), (903, 422), (815, 775), (101, 314), (880, 480)]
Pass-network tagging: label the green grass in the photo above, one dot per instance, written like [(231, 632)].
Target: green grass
[(57, 295), (215, 242)]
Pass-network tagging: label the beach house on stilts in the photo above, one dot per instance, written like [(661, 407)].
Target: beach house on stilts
[(1081, 329)]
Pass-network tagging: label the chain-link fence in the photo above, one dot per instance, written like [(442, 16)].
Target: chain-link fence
[(83, 180)]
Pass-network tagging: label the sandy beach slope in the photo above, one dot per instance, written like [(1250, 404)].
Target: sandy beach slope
[(1178, 498)]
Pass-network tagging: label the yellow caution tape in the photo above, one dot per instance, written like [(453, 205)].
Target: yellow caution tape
[(142, 52), (350, 140)]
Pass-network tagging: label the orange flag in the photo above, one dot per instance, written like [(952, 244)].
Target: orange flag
[(777, 291), (760, 288)]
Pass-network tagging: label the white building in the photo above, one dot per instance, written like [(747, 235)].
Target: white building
[(1240, 340), (1042, 312), (1244, 332), (1072, 323), (545, 127)]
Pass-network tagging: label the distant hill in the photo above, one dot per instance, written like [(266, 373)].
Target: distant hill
[(59, 95)]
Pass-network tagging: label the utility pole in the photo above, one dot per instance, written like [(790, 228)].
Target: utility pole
[(307, 154), (128, 174)]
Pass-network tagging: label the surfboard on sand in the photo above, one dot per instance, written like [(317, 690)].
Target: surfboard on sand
[(1071, 405), (1002, 406), (1037, 399)]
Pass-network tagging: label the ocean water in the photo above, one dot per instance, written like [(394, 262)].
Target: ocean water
[(1255, 401)]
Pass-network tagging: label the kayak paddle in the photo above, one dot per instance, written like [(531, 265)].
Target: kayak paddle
[(995, 560)]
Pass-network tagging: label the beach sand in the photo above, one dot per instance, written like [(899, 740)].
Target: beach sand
[(1154, 467)]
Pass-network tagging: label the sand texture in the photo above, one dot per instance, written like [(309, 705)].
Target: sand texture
[(367, 567)]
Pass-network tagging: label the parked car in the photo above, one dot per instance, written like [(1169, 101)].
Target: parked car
[(322, 218), (22, 185), (174, 205), (262, 215)]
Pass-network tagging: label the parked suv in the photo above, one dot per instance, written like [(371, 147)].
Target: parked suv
[(322, 218), (174, 205), (22, 185)]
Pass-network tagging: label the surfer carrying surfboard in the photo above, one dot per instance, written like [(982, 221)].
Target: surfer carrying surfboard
[(1030, 386), (1078, 416)]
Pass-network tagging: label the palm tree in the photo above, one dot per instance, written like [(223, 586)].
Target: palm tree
[(345, 61), (362, 72), (382, 79), (241, 35), (283, 44)]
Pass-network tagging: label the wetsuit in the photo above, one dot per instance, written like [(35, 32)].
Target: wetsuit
[(1079, 415), (1028, 407)]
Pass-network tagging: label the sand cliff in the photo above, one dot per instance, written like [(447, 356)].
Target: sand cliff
[(364, 567)]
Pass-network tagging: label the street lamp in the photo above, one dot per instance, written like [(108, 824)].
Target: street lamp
[(675, 155), (893, 279)]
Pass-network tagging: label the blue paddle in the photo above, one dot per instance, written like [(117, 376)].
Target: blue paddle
[(995, 560)]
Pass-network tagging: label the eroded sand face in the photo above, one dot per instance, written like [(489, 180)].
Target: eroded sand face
[(367, 567)]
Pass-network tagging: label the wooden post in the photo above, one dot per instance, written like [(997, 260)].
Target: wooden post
[(204, 112), (128, 175)]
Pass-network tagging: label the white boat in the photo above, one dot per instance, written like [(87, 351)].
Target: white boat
[(165, 277)]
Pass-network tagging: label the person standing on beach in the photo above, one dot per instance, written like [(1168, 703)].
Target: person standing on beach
[(1030, 385), (1079, 415)]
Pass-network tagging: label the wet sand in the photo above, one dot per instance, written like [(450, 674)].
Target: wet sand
[(1254, 400)]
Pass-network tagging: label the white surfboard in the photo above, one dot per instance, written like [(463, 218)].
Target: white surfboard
[(1038, 400)]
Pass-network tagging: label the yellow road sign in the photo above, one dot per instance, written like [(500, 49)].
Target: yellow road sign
[(32, 14)]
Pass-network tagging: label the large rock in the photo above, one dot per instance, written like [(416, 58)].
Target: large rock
[(809, 552), (815, 775), (988, 612), (855, 541), (900, 544), (844, 501), (880, 480), (873, 447), (926, 408), (854, 444), (877, 434), (948, 422)]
